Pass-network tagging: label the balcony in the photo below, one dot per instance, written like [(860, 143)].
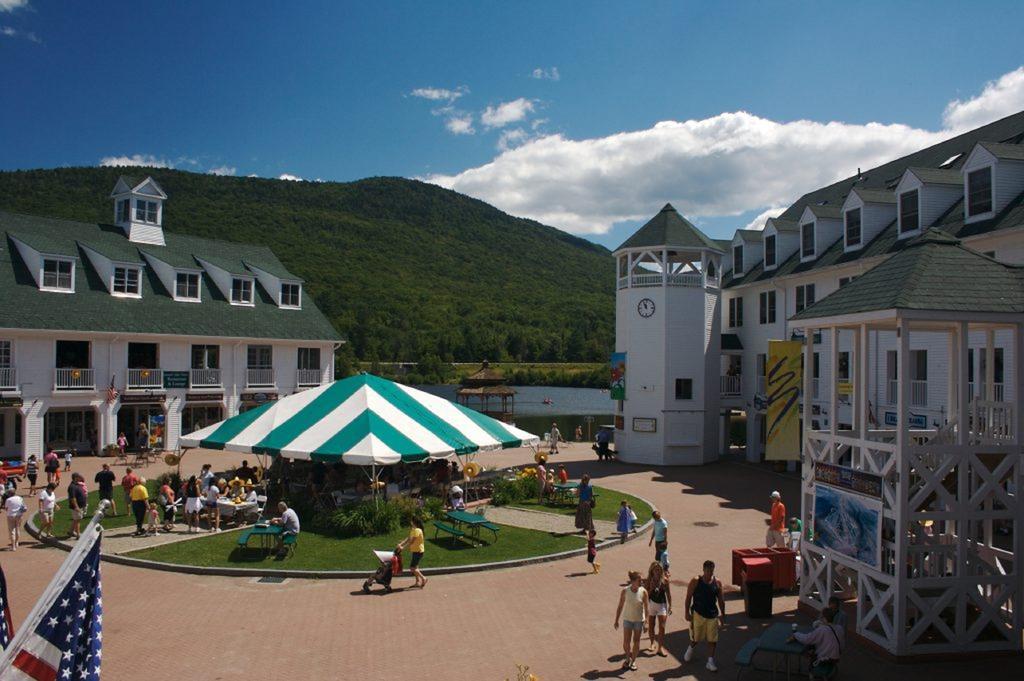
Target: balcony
[(204, 378), (8, 378), (691, 279), (305, 378), (976, 391), (730, 386), (145, 379), (73, 379), (918, 393), (259, 377)]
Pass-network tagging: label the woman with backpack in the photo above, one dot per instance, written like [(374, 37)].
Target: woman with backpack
[(193, 503)]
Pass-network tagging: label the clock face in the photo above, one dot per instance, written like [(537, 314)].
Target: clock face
[(645, 307)]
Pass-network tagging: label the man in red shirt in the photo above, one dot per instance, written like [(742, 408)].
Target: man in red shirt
[(777, 523), (127, 482)]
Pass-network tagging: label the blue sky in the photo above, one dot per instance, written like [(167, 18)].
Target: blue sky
[(552, 110)]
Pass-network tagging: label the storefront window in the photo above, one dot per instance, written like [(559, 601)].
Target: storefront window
[(200, 416), (72, 427)]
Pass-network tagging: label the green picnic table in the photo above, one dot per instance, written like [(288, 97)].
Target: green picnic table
[(267, 534), (564, 491), (473, 522)]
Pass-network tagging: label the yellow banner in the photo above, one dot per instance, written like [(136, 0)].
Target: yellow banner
[(783, 382)]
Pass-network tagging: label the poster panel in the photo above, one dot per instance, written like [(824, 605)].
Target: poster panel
[(849, 524), (617, 387), (783, 380)]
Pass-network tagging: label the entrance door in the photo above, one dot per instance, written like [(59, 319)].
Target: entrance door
[(131, 416)]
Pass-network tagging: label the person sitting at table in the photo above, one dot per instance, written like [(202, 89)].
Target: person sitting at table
[(455, 499), (236, 487), (289, 522), (563, 475), (836, 606), (245, 472), (250, 494), (827, 643)]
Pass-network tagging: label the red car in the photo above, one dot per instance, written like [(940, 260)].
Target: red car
[(14, 468)]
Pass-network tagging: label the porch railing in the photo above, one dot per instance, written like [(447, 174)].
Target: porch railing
[(145, 379), (977, 390), (918, 393), (992, 422), (259, 377), (308, 377), (730, 385), (204, 378), (8, 378), (73, 379)]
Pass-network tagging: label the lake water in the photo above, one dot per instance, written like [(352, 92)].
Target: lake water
[(569, 407)]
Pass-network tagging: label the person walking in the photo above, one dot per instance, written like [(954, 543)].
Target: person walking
[(78, 501), (166, 499), (415, 543), (14, 509), (623, 522), (142, 438), (105, 480), (193, 503), (592, 552), (776, 535), (659, 593), (212, 508), (585, 507), (542, 482), (122, 444), (32, 472), (660, 535), (140, 502), (554, 437), (128, 481), (705, 611), (47, 505), (579, 433), (51, 464), (633, 603), (69, 453)]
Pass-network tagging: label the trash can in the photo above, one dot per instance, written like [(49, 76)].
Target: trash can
[(757, 587)]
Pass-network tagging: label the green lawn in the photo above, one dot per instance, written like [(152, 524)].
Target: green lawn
[(607, 508), (62, 518), (319, 552)]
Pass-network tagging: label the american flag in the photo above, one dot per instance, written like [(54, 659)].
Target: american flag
[(6, 627), (112, 393), (64, 641)]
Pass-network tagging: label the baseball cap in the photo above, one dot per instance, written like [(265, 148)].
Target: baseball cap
[(776, 495)]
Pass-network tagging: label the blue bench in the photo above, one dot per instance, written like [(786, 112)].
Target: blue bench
[(290, 542), (243, 538), (455, 532), (745, 656), (492, 527)]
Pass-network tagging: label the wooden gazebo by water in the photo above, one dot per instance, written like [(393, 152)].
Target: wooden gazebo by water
[(485, 391)]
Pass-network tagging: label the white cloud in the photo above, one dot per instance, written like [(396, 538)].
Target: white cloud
[(998, 98), (290, 177), (727, 164), (439, 94), (512, 138), (11, 5), (459, 123), (506, 112), (136, 160), (11, 32), (759, 220), (546, 74), (222, 170)]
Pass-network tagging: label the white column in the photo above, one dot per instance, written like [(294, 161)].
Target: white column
[(963, 401), (861, 388), (990, 364), (901, 510), (833, 380), (808, 374), (953, 380)]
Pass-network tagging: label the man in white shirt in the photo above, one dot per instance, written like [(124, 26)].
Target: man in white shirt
[(14, 506), (289, 522), (826, 640)]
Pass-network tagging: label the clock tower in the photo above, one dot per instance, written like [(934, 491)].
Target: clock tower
[(668, 325)]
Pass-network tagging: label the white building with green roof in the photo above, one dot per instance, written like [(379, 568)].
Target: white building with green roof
[(109, 326)]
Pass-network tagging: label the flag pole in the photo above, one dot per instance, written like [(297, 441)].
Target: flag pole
[(56, 585)]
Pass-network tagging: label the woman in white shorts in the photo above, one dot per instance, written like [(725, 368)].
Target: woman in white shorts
[(193, 504), (633, 609), (14, 507), (47, 505), (659, 593)]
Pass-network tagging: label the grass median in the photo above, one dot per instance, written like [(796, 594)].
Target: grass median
[(607, 507)]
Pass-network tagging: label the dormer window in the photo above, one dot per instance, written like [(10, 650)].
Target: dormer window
[(126, 281), (241, 291), (910, 212), (146, 211), (186, 286), (123, 210), (807, 240), (853, 227), (979, 191), (737, 259), (769, 251), (58, 275), (291, 295)]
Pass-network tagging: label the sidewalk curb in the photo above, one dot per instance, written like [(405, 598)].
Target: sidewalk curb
[(331, 574)]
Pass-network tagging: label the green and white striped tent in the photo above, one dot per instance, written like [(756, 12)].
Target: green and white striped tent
[(362, 420)]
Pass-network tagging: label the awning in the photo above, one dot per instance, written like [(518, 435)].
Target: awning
[(730, 341), (362, 420)]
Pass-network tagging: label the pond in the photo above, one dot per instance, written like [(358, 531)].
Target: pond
[(569, 407)]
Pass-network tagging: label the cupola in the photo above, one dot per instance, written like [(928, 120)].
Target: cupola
[(138, 209)]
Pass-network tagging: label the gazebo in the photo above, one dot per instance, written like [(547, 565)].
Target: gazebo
[(921, 520), (484, 390)]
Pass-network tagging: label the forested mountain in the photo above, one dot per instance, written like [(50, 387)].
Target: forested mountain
[(405, 270)]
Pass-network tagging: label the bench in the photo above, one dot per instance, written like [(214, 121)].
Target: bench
[(827, 670), (492, 527), (243, 538), (290, 541), (745, 656), (444, 527)]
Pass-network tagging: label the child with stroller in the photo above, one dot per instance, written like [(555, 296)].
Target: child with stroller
[(387, 570)]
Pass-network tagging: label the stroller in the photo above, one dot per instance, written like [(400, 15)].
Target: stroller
[(390, 565)]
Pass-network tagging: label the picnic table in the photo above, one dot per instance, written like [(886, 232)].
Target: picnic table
[(775, 640), (473, 522), (229, 509), (267, 533), (565, 491)]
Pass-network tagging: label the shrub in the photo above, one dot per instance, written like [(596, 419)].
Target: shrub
[(407, 508), (511, 491), (364, 519), (433, 508), (169, 478)]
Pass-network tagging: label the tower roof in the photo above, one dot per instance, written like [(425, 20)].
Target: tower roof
[(669, 228)]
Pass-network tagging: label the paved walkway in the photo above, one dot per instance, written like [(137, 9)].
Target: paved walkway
[(546, 522), (553, 616)]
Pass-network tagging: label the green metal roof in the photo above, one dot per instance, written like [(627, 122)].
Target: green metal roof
[(938, 175), (1011, 152), (919, 277), (872, 196), (669, 228), (92, 308)]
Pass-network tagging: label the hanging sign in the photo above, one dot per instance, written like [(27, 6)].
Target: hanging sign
[(176, 379), (617, 387), (783, 380)]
